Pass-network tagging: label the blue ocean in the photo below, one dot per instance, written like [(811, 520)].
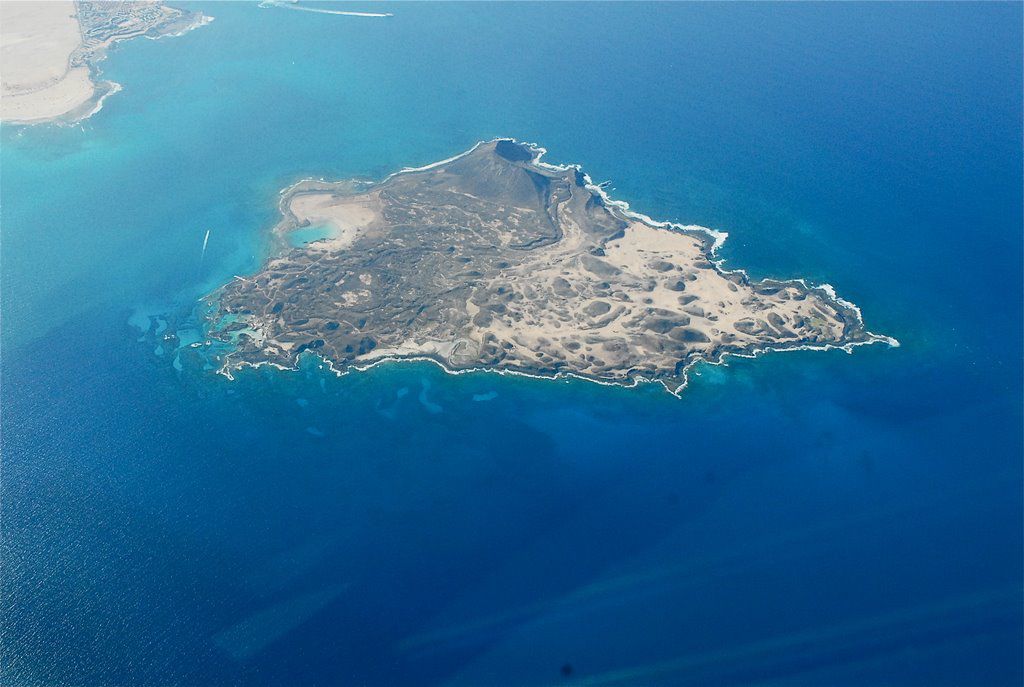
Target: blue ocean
[(805, 518)]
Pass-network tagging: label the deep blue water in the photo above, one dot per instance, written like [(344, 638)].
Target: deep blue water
[(802, 519)]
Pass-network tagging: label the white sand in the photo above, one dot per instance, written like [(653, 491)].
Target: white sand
[(347, 216), (36, 43)]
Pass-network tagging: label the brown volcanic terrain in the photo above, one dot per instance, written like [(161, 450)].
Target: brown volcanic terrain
[(495, 260)]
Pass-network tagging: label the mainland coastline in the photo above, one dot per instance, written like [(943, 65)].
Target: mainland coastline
[(51, 52)]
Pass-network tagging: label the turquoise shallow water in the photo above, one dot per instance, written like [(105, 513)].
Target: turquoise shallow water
[(311, 234), (808, 518)]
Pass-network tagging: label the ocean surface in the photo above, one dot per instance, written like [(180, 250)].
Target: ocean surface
[(807, 518)]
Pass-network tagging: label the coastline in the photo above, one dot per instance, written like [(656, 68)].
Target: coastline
[(32, 100), (633, 380), (711, 239)]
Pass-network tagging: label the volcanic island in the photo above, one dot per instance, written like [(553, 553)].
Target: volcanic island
[(495, 260)]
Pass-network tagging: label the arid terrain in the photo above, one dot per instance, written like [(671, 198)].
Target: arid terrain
[(496, 260)]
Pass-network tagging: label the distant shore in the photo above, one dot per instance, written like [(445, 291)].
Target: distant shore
[(50, 54)]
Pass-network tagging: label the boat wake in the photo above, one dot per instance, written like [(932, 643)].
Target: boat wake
[(294, 5)]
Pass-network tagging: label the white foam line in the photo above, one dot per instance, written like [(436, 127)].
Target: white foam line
[(112, 88), (68, 119), (628, 382), (717, 239), (201, 20), (432, 165)]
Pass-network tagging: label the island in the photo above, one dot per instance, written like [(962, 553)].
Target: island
[(495, 260), (50, 52)]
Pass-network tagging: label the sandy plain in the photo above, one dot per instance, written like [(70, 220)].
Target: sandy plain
[(37, 81), (49, 52)]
